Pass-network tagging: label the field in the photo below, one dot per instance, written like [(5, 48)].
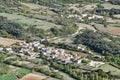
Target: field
[(31, 6), (33, 77), (11, 74), (107, 67), (86, 26), (109, 29), (8, 42), (117, 16), (110, 6), (29, 21)]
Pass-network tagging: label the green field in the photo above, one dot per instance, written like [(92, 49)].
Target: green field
[(107, 67), (29, 21), (11, 75)]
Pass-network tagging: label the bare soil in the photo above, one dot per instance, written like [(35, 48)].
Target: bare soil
[(33, 77), (8, 42)]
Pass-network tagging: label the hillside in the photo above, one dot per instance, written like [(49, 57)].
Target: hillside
[(60, 39)]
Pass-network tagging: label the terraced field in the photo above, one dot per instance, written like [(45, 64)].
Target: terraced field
[(29, 21), (110, 6), (107, 67), (109, 29), (8, 42)]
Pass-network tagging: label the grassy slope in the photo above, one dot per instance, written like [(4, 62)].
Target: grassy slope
[(29, 21), (107, 67)]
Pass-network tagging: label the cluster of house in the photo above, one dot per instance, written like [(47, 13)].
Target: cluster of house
[(29, 49), (49, 52), (6, 49), (61, 55), (82, 16)]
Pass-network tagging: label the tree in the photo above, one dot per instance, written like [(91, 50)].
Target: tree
[(36, 49)]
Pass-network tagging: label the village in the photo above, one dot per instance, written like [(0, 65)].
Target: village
[(33, 50)]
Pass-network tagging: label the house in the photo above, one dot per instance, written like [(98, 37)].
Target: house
[(20, 54), (72, 16), (84, 15), (91, 17), (78, 61), (65, 61), (79, 47), (1, 49), (9, 50), (98, 56)]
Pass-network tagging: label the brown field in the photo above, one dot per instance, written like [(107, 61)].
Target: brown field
[(86, 26), (33, 77), (109, 29), (8, 42)]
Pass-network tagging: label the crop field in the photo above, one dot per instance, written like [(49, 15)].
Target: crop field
[(29, 21), (11, 75), (109, 29), (8, 42), (107, 67), (110, 6)]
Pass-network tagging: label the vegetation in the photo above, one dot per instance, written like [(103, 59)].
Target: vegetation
[(40, 19), (10, 28), (77, 74), (65, 31), (116, 2), (106, 12), (95, 41), (33, 67)]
